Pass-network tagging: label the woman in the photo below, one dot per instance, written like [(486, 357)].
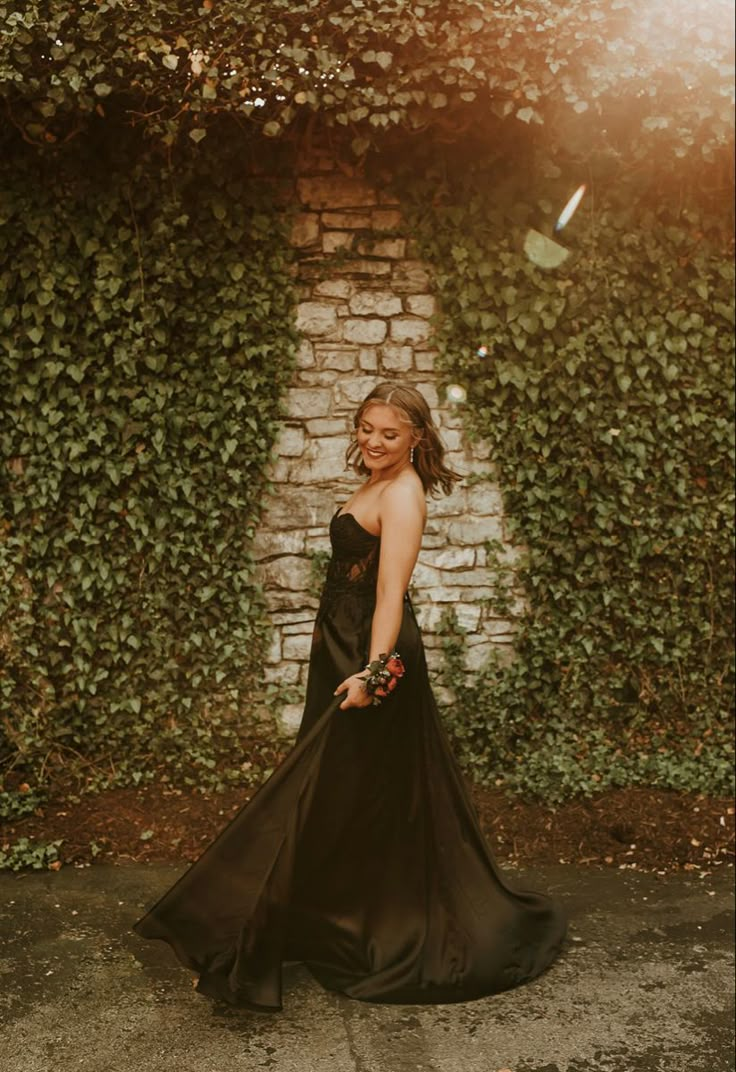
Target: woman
[(361, 856)]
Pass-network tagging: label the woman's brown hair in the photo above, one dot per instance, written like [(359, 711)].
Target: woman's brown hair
[(429, 451)]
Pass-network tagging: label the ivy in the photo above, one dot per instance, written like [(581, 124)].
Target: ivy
[(23, 853), (369, 68), (605, 391), (147, 339)]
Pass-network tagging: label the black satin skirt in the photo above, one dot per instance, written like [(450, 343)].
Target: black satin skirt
[(361, 856)]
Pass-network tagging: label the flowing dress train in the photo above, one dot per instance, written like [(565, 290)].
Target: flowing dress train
[(361, 855)]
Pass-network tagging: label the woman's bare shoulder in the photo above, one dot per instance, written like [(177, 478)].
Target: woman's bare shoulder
[(404, 496)]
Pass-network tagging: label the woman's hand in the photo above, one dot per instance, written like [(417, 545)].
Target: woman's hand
[(356, 694)]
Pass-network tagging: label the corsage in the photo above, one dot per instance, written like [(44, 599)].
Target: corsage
[(384, 674)]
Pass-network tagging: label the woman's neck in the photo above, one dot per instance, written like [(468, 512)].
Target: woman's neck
[(388, 474)]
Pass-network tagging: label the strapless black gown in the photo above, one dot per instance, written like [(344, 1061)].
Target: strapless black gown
[(361, 855)]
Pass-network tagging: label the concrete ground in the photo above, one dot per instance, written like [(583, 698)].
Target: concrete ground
[(645, 985)]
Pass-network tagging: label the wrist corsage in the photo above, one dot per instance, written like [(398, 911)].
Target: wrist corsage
[(384, 674)]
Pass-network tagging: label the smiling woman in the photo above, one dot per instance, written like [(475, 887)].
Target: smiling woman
[(362, 855)]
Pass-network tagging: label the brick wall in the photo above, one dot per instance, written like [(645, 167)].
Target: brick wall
[(365, 309)]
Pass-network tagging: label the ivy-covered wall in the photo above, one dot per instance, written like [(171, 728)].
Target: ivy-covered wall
[(605, 388), (139, 395), (139, 402)]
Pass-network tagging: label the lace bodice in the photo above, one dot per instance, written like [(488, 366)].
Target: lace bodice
[(353, 568)]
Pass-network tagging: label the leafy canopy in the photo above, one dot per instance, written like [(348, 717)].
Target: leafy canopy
[(370, 67)]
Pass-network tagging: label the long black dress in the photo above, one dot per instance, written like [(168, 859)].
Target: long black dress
[(361, 856)]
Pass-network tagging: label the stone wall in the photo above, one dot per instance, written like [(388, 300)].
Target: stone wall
[(365, 315)]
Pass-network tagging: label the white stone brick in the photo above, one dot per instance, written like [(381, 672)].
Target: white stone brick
[(485, 499), (365, 331), (305, 229), (410, 277), (283, 674), (289, 617), (316, 377), (320, 542), (305, 354), (424, 305), (456, 460), (477, 657), (409, 329), (268, 542), (278, 470), (333, 288), (396, 358), (499, 627), (290, 717), (347, 221), (323, 460), (291, 440), (374, 303), (298, 628), (449, 417), (273, 654), (424, 360), (278, 599), (316, 318), (350, 392), (430, 393), (394, 248), (425, 576), (450, 593), (470, 578), (296, 647), (475, 530), (328, 426), (447, 506), (445, 697), (335, 192), (343, 359), (332, 241), (308, 401), (433, 540), (450, 558), (368, 360), (287, 571), (453, 439), (358, 267), (467, 616)]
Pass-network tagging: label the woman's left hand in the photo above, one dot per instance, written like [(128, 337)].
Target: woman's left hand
[(356, 694)]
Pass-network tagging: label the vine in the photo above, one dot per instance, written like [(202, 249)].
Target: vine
[(369, 68), (605, 390), (147, 340)]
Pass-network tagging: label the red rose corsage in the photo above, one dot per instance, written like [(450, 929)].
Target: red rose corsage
[(384, 674)]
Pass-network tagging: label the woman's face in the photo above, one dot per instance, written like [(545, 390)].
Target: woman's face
[(385, 436)]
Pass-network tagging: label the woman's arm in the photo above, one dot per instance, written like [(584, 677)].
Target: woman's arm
[(402, 523)]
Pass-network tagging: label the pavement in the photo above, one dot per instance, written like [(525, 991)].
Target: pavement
[(645, 984)]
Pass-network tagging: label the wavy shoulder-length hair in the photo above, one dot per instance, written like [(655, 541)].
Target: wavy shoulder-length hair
[(429, 451)]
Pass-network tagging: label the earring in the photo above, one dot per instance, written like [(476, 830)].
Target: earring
[(411, 455)]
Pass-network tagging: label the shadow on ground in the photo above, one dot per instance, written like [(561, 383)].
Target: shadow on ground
[(644, 985)]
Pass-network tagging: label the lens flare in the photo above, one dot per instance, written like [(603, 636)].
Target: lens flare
[(456, 393), (544, 251), (569, 210)]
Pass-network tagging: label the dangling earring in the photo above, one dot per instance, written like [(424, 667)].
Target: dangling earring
[(411, 455)]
